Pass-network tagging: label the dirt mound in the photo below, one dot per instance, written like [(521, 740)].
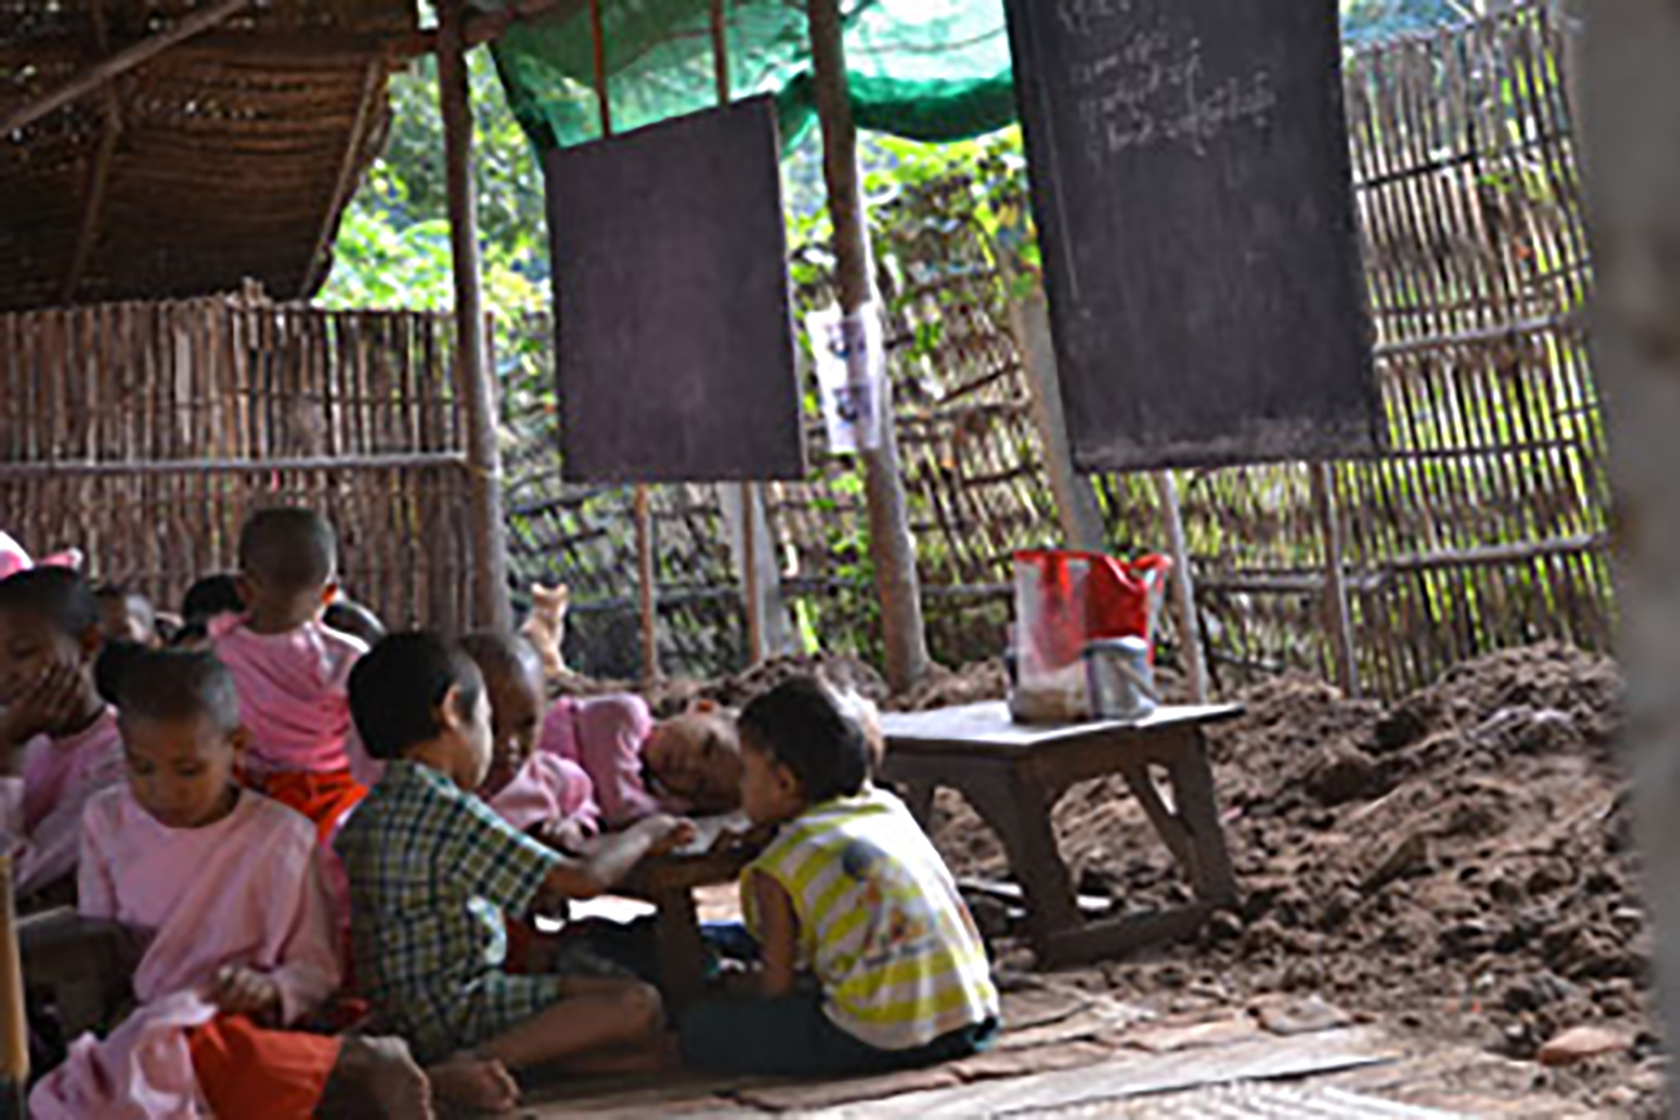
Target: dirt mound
[(1459, 862)]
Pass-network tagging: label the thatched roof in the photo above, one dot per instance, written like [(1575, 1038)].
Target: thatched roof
[(229, 156)]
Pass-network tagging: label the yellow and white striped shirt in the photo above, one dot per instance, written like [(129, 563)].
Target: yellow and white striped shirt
[(880, 922)]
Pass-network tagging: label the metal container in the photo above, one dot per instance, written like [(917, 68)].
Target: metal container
[(1120, 680)]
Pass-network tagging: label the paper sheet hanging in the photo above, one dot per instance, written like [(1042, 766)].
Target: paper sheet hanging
[(851, 374)]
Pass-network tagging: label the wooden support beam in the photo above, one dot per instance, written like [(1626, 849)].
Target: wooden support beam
[(1076, 503), (120, 63), (1183, 588), (373, 84), (473, 376), (1338, 618), (890, 544), (99, 175), (14, 1024)]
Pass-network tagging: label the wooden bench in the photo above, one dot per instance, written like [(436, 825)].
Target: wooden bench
[(1013, 774)]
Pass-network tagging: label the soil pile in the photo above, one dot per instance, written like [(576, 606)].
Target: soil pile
[(1460, 862)]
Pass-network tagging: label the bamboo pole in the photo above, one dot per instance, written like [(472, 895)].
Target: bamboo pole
[(1338, 618), (890, 543), (1076, 503), (14, 1023), (472, 370), (1183, 588), (120, 63)]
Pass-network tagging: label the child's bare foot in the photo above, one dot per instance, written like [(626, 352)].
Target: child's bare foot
[(381, 1070), (474, 1083)]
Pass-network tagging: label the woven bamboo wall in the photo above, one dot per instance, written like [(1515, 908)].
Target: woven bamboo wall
[(145, 433), (1482, 527)]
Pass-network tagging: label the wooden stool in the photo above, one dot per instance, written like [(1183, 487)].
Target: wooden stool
[(1013, 774)]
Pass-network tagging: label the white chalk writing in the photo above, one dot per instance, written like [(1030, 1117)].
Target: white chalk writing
[(1081, 17), (1155, 90)]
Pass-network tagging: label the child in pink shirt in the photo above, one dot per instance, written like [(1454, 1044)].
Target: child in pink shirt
[(291, 669), (223, 885), (537, 792), (58, 739), (689, 764)]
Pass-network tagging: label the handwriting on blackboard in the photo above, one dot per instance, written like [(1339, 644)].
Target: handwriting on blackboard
[(1155, 88)]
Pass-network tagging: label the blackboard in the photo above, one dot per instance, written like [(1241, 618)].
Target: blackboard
[(672, 310), (1192, 189)]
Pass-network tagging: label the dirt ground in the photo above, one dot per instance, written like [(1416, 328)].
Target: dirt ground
[(1458, 864)]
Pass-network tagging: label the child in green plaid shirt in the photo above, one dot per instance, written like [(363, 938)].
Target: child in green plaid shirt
[(432, 870)]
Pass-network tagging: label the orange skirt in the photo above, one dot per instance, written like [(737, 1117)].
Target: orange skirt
[(322, 797), (252, 1073)]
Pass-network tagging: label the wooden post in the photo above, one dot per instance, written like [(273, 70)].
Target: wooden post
[(14, 1022), (473, 376), (1338, 618), (1629, 87), (122, 62), (1076, 504), (1183, 588), (890, 544)]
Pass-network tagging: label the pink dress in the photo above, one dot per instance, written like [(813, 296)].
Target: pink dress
[(604, 735), (244, 891), (548, 788), (41, 812), (294, 695)]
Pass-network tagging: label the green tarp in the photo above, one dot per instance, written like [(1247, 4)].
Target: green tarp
[(922, 69)]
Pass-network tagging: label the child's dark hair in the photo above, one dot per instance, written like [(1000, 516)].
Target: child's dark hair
[(114, 659), (396, 689), (501, 653), (803, 725), (58, 595), (211, 596), (177, 684), (290, 549), (349, 617)]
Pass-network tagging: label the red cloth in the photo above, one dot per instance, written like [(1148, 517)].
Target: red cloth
[(323, 797), (250, 1072)]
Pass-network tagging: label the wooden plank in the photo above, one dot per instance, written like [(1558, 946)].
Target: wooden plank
[(989, 725), (1132, 1076)]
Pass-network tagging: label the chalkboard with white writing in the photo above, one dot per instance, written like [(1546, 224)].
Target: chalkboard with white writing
[(1192, 188)]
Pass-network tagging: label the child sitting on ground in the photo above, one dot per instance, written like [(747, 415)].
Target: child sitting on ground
[(538, 792), (205, 601), (58, 739), (870, 960), (432, 870), (126, 615), (223, 886), (292, 669)]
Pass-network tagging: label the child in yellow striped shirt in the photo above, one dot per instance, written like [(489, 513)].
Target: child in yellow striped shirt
[(870, 960)]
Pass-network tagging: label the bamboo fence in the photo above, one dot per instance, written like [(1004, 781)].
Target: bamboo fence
[(144, 434), (1482, 526)]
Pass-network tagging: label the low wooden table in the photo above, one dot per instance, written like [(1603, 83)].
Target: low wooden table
[(1013, 774), (669, 883)]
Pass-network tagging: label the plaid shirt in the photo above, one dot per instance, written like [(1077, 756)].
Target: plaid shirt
[(431, 871)]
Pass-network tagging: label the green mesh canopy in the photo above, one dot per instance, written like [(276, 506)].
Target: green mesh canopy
[(922, 69)]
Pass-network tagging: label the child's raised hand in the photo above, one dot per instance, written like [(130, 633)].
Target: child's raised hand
[(44, 705), (244, 991)]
